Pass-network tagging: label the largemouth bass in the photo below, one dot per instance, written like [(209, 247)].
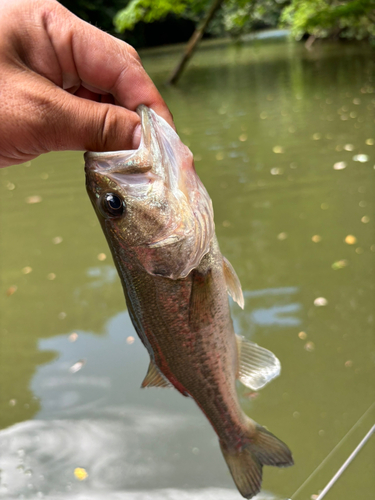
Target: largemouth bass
[(158, 220)]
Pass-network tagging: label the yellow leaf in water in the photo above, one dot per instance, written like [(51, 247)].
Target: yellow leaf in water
[(339, 264), (33, 199), (350, 239), (80, 473)]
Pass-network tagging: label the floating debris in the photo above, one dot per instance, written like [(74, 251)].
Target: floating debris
[(340, 165), (226, 223), (11, 186), (243, 137), (359, 250), (296, 414), (317, 137), (73, 337), (320, 301), (251, 395), (339, 264), (369, 142), (278, 149), (57, 240), (324, 206), (220, 156), (348, 147), (282, 236), (27, 270), (13, 402), (263, 115), (277, 171), (361, 158), (31, 200), (11, 290), (80, 474), (77, 366), (309, 346), (349, 363), (316, 238), (350, 239), (365, 219), (195, 451), (362, 204), (302, 335), (62, 315), (51, 276), (130, 340), (357, 101), (102, 256)]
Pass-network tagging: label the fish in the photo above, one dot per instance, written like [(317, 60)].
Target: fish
[(158, 220)]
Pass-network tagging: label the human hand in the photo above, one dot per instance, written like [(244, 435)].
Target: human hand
[(65, 84)]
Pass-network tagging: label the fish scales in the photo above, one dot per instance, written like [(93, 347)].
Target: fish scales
[(158, 221)]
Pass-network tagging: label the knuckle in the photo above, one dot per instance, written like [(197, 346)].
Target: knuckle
[(107, 126)]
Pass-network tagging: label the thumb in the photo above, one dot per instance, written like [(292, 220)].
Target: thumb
[(82, 124)]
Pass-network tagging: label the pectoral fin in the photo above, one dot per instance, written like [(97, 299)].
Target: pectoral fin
[(154, 378), (233, 283), (257, 366)]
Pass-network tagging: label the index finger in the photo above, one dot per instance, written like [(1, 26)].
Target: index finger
[(101, 62)]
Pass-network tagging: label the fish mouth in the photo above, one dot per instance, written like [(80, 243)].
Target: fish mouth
[(119, 158)]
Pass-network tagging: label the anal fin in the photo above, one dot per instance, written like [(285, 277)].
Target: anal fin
[(233, 283), (257, 365), (154, 378)]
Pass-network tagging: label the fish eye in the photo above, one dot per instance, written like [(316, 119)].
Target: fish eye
[(113, 205)]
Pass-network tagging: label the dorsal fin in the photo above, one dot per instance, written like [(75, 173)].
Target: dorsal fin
[(154, 378), (233, 283), (257, 365)]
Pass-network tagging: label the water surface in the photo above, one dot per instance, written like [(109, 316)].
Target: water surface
[(284, 141)]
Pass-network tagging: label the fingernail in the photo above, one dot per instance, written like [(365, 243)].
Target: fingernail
[(137, 136)]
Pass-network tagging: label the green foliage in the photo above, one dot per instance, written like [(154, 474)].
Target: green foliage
[(235, 16), (324, 18), (149, 11), (243, 16)]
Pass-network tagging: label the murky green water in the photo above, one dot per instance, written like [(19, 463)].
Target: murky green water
[(284, 142)]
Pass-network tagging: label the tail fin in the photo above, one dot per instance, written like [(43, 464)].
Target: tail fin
[(246, 465)]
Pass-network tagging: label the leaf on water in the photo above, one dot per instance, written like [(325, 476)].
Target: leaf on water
[(77, 366), (31, 200), (11, 290), (361, 158), (320, 301), (80, 473), (339, 264), (350, 240), (340, 165)]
